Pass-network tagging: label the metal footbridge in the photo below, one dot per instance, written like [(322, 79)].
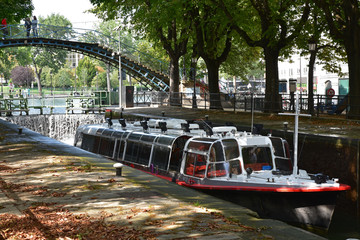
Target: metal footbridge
[(147, 70)]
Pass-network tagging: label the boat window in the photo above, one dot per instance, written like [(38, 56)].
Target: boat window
[(132, 150), (120, 149), (199, 146), (216, 153), (144, 153), (99, 131), (148, 138), (121, 136), (160, 157), (257, 158), (278, 146), (118, 133), (235, 167), (195, 165), (96, 146), (88, 142), (106, 147), (107, 132), (176, 153), (283, 164), (165, 140), (217, 170), (231, 149), (135, 136)]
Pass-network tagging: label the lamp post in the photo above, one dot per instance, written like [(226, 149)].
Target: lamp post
[(118, 28), (312, 49), (193, 75)]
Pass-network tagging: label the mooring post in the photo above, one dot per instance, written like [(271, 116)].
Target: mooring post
[(118, 167)]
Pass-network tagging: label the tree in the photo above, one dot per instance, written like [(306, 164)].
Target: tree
[(15, 10), (86, 71), (271, 25), (164, 23), (326, 51), (11, 57), (99, 81), (242, 60), (22, 76), (63, 78), (46, 56), (213, 41), (342, 17)]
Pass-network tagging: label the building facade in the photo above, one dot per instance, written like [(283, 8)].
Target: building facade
[(296, 68)]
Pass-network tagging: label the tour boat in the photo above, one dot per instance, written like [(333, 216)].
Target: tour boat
[(252, 170)]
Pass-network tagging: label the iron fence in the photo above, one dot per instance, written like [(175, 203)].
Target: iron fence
[(336, 105)]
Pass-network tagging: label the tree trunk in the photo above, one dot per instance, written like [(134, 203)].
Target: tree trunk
[(272, 97), (352, 45), (311, 82), (174, 82), (38, 80), (213, 72), (38, 77)]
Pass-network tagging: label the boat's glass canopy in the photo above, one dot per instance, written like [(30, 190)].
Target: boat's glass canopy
[(119, 133), (200, 144), (108, 132), (257, 158)]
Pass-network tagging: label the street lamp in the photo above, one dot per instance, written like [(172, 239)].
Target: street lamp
[(118, 28), (312, 46), (312, 49), (193, 75)]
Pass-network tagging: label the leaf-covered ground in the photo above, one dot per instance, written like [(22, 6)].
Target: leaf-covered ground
[(53, 196)]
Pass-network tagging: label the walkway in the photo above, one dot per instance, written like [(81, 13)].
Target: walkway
[(52, 190)]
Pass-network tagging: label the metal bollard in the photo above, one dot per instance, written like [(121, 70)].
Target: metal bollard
[(118, 167), (20, 130)]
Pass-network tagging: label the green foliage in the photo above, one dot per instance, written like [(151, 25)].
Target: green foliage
[(50, 57), (99, 81), (86, 71), (63, 78), (15, 10), (243, 61)]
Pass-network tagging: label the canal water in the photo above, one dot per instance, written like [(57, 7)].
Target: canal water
[(62, 127)]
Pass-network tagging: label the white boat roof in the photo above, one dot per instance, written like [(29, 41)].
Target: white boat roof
[(254, 140)]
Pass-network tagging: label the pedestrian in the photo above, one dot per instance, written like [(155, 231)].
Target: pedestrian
[(28, 26), (328, 86), (34, 24), (4, 28)]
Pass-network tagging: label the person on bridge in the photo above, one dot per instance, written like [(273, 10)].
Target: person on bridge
[(28, 26), (34, 24), (4, 28)]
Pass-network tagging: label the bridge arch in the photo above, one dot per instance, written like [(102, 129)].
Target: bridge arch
[(71, 39)]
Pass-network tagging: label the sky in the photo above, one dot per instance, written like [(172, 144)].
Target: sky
[(71, 9)]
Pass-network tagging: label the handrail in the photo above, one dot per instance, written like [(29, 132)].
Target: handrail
[(18, 31)]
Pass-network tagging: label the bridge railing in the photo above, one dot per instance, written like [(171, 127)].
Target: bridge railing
[(18, 31)]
